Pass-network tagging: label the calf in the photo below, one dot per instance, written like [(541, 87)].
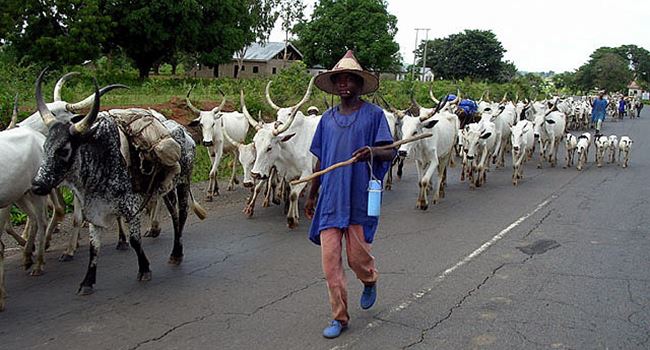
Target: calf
[(87, 156), (602, 143), (582, 148), (625, 147), (522, 140), (570, 144), (613, 145), (480, 143)]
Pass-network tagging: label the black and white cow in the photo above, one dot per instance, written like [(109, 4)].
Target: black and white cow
[(86, 155)]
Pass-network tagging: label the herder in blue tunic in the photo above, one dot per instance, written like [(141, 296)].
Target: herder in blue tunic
[(353, 128), (598, 110)]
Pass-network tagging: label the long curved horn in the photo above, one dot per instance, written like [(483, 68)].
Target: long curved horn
[(82, 126), (457, 99), (229, 139), (14, 114), (189, 104), (414, 102), (516, 97), (295, 109), (439, 107), (482, 95), (59, 84), (223, 102), (89, 101), (254, 123), (504, 97), (432, 96), (268, 96), (46, 114)]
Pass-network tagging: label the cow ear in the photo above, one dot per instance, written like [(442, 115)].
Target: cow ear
[(76, 118), (467, 128), (288, 137), (486, 135), (430, 124), (194, 122)]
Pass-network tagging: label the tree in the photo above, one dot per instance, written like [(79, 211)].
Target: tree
[(565, 82), (476, 54), (364, 26), (291, 11), (262, 16), (56, 32), (608, 68)]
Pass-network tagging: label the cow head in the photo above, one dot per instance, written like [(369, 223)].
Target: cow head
[(518, 134), (207, 119), (285, 113), (412, 126), (62, 142), (475, 133)]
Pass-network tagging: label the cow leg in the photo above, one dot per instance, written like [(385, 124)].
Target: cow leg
[(249, 209), (4, 219), (439, 189), (425, 184), (389, 178), (144, 273), (10, 230), (400, 167), (293, 213), (153, 207), (270, 188), (58, 213), (36, 208), (73, 242), (233, 175), (86, 286), (179, 215), (213, 184)]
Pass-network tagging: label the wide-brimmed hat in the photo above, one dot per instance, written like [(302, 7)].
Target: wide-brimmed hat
[(347, 64)]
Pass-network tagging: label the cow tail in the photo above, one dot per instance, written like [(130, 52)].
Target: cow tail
[(200, 212)]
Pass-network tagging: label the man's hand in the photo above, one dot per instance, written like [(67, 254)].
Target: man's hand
[(363, 153), (309, 208)]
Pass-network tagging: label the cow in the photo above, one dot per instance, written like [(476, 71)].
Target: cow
[(584, 141), (624, 147), (432, 153), (602, 144), (285, 146), (570, 145), (86, 154), (480, 141), (213, 123), (549, 130), (522, 141), (613, 145)]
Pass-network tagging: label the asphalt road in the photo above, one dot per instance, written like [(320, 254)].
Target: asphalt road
[(560, 262)]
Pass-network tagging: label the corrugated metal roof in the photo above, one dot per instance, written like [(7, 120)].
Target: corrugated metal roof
[(266, 52)]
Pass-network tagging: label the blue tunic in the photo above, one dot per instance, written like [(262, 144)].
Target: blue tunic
[(598, 110), (343, 197), (621, 106)]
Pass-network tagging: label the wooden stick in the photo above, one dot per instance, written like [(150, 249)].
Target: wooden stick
[(355, 159)]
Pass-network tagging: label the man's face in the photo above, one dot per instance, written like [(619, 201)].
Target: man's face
[(347, 84)]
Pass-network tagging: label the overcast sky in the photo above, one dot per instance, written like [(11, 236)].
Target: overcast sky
[(557, 35)]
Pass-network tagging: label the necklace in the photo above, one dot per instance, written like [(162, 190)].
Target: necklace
[(353, 117)]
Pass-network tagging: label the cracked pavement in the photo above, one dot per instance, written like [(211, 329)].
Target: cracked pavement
[(255, 284)]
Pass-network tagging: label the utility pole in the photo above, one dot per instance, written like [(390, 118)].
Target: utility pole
[(424, 59), (417, 31)]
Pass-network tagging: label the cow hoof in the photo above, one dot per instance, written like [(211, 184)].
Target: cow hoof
[(85, 290), (266, 204), (248, 211), (292, 223), (152, 232), (27, 264), (208, 198), (539, 166), (66, 258), (230, 188), (37, 272), (564, 167), (388, 187), (122, 246), (175, 260), (144, 276), (276, 201)]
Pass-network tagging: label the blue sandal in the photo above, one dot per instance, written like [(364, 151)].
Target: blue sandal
[(334, 329)]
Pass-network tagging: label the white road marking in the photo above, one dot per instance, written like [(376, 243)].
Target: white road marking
[(421, 293)]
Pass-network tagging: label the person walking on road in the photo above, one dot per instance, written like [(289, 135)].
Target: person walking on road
[(353, 128), (598, 111), (621, 108)]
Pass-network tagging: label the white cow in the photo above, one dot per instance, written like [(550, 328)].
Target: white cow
[(570, 145), (522, 141), (625, 147), (480, 143), (213, 123), (584, 141), (602, 144), (549, 128), (504, 118), (433, 153), (613, 146), (285, 147)]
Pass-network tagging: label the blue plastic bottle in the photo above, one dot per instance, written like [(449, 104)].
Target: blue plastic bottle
[(374, 197)]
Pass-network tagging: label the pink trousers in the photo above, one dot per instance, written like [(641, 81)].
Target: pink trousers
[(359, 260)]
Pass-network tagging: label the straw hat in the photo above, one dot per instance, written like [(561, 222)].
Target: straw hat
[(347, 64)]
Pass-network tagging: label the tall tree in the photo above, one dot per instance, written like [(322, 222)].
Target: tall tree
[(56, 32), (261, 16), (476, 54), (608, 68), (337, 25), (291, 11)]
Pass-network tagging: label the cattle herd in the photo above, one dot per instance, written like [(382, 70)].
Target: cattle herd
[(112, 182)]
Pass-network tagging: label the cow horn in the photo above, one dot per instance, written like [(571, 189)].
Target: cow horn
[(432, 96), (190, 105), (457, 99), (505, 96), (223, 102), (59, 84), (14, 114), (414, 102), (439, 107), (229, 139), (482, 95), (46, 114), (295, 109), (254, 123), (82, 126), (88, 101), (268, 96)]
